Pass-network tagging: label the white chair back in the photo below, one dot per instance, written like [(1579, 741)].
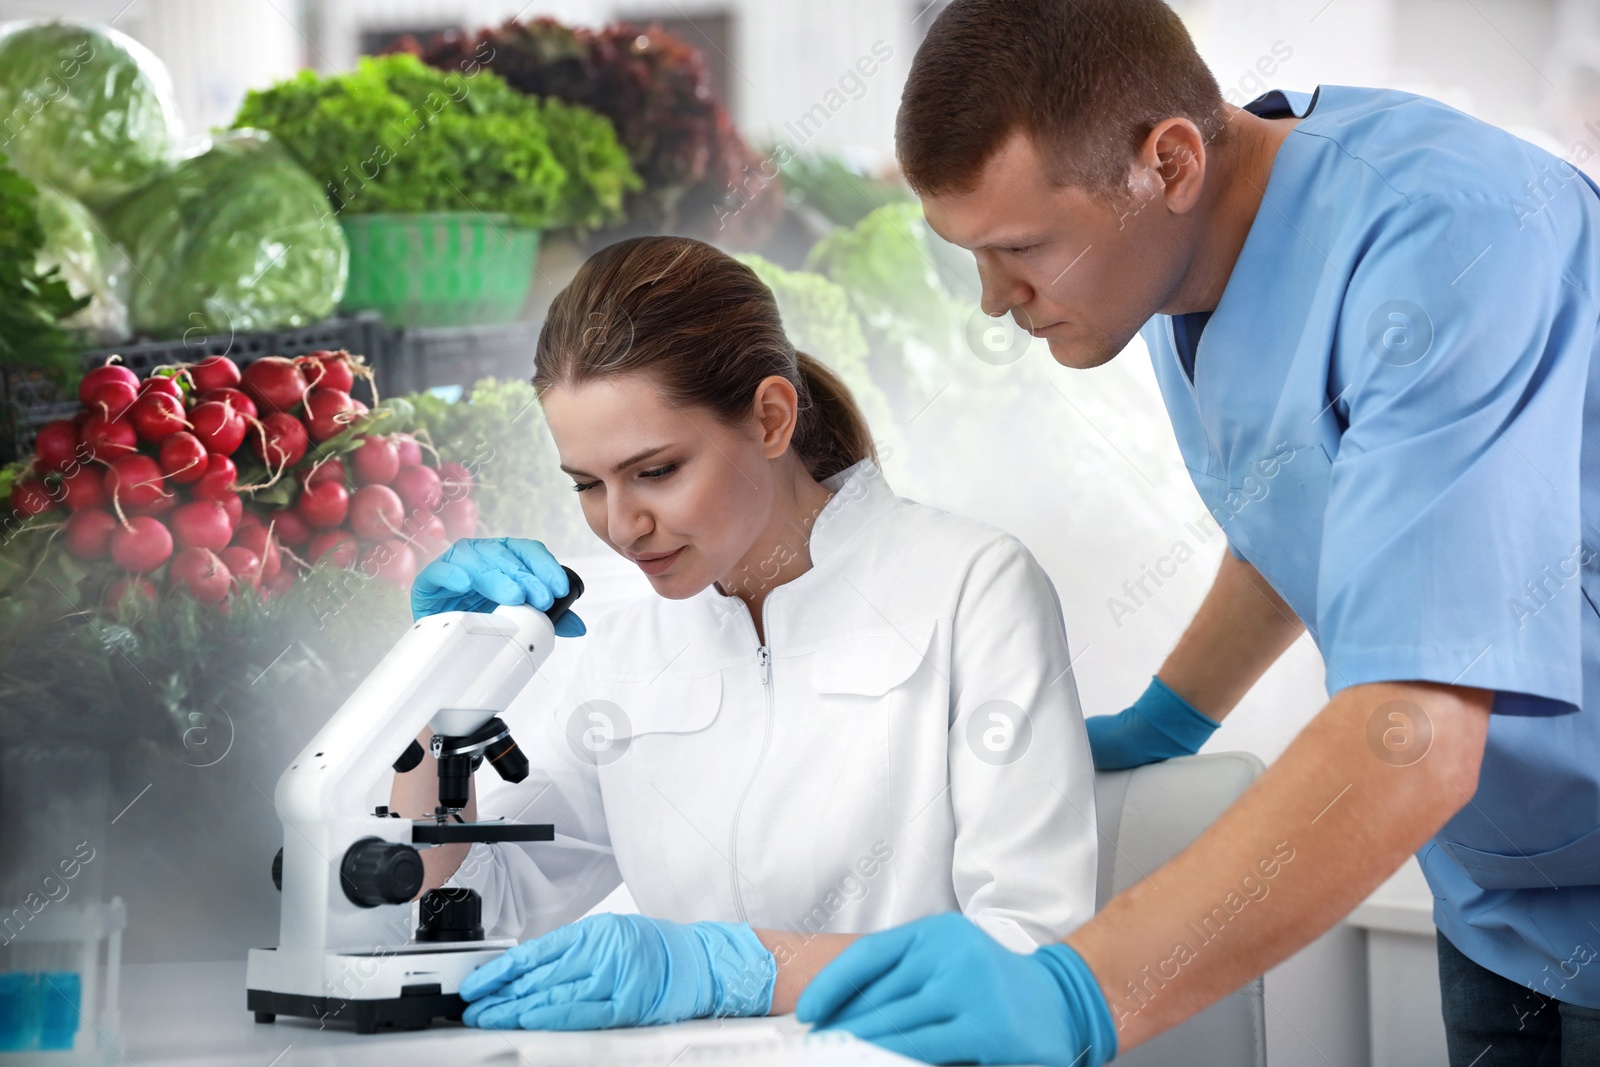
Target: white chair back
[(1148, 815)]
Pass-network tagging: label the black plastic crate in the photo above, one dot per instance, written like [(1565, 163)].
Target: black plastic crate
[(404, 360), (31, 400), (362, 335), (427, 357)]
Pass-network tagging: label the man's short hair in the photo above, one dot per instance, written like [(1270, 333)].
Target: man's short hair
[(1087, 80)]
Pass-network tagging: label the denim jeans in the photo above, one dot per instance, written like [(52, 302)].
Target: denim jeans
[(1490, 1021)]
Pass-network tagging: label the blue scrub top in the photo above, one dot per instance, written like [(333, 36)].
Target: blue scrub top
[(1392, 414)]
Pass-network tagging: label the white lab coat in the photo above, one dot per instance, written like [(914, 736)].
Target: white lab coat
[(834, 781)]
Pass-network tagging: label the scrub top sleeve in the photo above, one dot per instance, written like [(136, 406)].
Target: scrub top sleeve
[(1021, 777), (1460, 364), (531, 888)]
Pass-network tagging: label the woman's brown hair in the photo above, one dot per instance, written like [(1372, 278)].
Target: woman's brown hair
[(707, 331)]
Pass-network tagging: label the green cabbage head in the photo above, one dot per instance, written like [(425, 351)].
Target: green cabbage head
[(84, 110), (235, 237)]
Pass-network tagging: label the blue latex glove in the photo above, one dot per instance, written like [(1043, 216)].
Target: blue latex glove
[(1161, 725), (622, 970), (480, 573), (941, 990)]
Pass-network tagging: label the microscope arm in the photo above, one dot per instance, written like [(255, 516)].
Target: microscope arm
[(454, 671)]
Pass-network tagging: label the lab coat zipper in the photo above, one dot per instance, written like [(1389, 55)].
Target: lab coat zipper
[(764, 661)]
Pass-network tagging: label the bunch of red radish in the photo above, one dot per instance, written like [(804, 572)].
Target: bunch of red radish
[(146, 472)]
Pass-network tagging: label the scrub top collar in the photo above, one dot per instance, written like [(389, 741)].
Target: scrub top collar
[(1190, 335), (1280, 103)]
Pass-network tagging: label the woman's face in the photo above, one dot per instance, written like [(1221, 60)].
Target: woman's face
[(684, 495)]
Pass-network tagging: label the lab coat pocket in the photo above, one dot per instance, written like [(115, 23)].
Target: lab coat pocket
[(869, 665), (1576, 863), (875, 728)]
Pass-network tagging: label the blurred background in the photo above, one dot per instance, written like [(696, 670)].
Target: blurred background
[(766, 128), (1525, 63)]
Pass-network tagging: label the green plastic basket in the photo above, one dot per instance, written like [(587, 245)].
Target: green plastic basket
[(445, 268)]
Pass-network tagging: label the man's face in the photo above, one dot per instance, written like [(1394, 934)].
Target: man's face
[(1080, 272)]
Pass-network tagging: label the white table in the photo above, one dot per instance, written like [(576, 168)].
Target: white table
[(186, 1015)]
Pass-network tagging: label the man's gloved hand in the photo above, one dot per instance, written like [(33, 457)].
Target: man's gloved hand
[(481, 573), (622, 970), (1161, 725), (941, 990)]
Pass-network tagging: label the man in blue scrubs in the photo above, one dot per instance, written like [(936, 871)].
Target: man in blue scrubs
[(1373, 320)]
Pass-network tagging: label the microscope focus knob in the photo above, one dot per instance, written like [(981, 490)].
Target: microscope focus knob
[(453, 914), (376, 872)]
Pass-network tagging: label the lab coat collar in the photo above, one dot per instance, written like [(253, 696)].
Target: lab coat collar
[(860, 492)]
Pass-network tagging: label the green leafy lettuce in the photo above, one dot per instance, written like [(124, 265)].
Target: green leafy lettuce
[(900, 285), (396, 135), (598, 171), (828, 186)]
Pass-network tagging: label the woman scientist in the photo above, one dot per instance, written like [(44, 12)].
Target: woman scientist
[(841, 711)]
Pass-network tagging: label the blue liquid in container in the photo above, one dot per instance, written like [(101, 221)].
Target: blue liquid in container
[(61, 996), (39, 1011), (17, 1031)]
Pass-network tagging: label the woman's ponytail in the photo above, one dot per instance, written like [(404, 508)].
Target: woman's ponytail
[(833, 434)]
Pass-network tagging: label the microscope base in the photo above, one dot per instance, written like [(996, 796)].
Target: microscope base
[(414, 1010), (402, 988)]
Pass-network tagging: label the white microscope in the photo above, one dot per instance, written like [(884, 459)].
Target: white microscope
[(349, 868)]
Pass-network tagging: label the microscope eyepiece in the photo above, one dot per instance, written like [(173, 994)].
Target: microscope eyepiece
[(574, 591)]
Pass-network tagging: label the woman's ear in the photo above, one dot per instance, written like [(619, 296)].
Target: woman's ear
[(777, 413)]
